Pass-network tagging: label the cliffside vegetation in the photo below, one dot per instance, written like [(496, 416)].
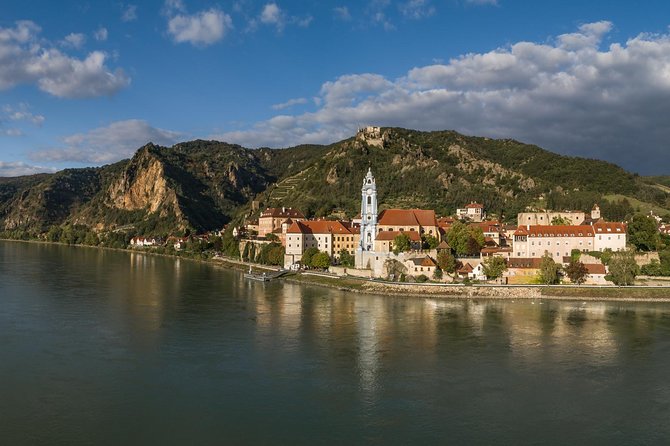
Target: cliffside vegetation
[(202, 185)]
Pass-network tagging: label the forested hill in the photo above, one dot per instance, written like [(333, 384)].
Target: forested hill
[(201, 185)]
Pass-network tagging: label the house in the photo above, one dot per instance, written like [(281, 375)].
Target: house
[(421, 265), (597, 273), (271, 219), (664, 228), (144, 241), (560, 240), (543, 218), (522, 270), (473, 211), (472, 272)]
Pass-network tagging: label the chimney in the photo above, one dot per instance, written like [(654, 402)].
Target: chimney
[(283, 209)]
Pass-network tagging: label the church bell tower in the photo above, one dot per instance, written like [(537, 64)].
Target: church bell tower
[(368, 213)]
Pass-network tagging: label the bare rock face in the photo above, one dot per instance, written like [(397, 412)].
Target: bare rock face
[(144, 186)]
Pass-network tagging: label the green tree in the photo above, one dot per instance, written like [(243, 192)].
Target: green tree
[(91, 239), (422, 278), (346, 259), (306, 258), (549, 270), (429, 242), (576, 271), (558, 221), (437, 274), (245, 253), (401, 243), (494, 267), (623, 269), (606, 256), (643, 232), (446, 261), (321, 260), (465, 239), (652, 269), (275, 255), (272, 237)]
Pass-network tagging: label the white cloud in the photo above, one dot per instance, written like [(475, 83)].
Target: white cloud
[(101, 34), (273, 15), (19, 168), (290, 103), (13, 131), (74, 40), (22, 113), (417, 9), (342, 13), (108, 144), (129, 13), (200, 29), (568, 95), (25, 58)]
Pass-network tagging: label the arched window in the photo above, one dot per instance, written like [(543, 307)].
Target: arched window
[(369, 200)]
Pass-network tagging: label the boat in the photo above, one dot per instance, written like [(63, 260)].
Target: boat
[(261, 277)]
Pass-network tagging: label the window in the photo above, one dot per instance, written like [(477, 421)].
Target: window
[(369, 200)]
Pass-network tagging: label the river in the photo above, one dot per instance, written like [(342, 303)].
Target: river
[(109, 347)]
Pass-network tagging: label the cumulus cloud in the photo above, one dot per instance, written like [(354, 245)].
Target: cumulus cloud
[(290, 103), (101, 34), (200, 29), (74, 40), (273, 15), (568, 95), (129, 13), (19, 168), (108, 144), (27, 59)]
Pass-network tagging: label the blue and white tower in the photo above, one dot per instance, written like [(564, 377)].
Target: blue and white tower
[(368, 213)]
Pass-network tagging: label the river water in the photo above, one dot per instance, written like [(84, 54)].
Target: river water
[(105, 347)]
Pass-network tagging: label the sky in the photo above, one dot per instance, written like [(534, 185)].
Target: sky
[(88, 83)]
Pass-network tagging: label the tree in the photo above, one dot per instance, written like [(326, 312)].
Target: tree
[(446, 261), (272, 237), (623, 269), (429, 242), (464, 239), (576, 271), (437, 274), (643, 233), (346, 259), (558, 221), (401, 243), (245, 253), (549, 270), (306, 258), (275, 255), (321, 260), (494, 267)]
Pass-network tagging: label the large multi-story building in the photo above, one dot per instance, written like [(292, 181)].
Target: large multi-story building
[(560, 240), (327, 236), (272, 218)]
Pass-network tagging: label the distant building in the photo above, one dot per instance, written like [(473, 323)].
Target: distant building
[(473, 211), (327, 236), (422, 221), (271, 219), (560, 240), (145, 241)]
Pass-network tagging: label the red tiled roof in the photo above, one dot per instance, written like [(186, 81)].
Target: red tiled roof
[(282, 213), (407, 217), (555, 231), (602, 227), (467, 268), (595, 268), (318, 227), (390, 235), (474, 206)]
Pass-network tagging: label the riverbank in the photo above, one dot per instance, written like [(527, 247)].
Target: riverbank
[(553, 292)]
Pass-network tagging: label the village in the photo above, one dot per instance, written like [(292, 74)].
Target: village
[(416, 245)]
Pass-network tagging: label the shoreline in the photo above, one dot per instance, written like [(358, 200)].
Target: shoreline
[(550, 292)]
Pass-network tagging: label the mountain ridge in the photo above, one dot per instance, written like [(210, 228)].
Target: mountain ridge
[(201, 185)]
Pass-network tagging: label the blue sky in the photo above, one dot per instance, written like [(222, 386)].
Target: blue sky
[(88, 83)]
